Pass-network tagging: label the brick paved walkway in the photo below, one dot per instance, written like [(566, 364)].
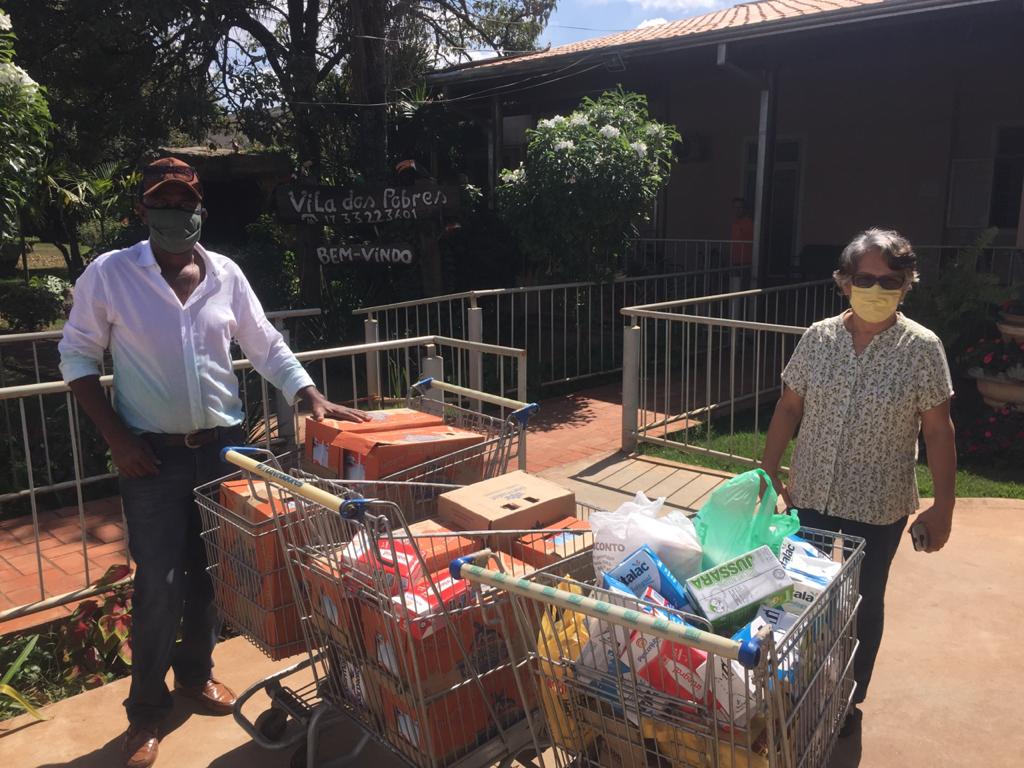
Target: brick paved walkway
[(567, 429)]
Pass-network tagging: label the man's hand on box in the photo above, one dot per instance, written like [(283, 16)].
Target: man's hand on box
[(939, 522), (322, 408)]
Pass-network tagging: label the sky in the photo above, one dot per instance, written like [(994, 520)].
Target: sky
[(610, 16)]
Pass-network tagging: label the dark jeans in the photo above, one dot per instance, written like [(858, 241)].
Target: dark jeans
[(172, 588), (881, 543)]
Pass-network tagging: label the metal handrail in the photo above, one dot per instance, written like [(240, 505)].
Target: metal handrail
[(645, 310)]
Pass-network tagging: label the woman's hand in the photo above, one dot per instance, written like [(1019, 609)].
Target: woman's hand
[(781, 489), (938, 520)]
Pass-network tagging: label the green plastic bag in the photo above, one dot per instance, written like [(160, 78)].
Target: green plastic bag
[(732, 521)]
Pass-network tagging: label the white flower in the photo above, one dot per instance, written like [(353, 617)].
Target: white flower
[(639, 147), (11, 75), (5, 22), (578, 120), (655, 130), (545, 124), (558, 119), (564, 146), (610, 132), (513, 176)]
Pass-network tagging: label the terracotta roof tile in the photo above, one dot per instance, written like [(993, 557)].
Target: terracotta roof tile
[(739, 15)]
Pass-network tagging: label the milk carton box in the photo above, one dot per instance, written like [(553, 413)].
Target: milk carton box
[(729, 594), (810, 569), (780, 622), (732, 687), (644, 569)]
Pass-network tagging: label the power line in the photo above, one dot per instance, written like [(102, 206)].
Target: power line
[(453, 47)]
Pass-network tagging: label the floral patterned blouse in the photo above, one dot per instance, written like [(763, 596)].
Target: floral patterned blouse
[(856, 450)]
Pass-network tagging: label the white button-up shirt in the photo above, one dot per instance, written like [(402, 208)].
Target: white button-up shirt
[(172, 361)]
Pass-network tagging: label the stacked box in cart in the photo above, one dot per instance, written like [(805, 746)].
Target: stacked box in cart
[(406, 558), (437, 635), (323, 438), (250, 574), (557, 541), (514, 501), (375, 455), (451, 724)]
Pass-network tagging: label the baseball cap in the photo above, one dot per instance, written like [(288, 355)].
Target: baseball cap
[(170, 170)]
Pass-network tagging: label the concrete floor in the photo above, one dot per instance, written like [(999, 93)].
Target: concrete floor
[(944, 693)]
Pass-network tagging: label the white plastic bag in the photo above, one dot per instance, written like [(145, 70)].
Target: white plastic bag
[(620, 533)]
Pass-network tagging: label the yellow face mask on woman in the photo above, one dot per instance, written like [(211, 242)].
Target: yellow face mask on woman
[(874, 304)]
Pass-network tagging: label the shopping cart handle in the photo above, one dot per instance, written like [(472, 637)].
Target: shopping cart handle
[(425, 383), (749, 654), (243, 449), (476, 558), (523, 414), (353, 509)]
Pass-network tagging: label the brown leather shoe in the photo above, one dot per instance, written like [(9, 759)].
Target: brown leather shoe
[(141, 745), (216, 697)]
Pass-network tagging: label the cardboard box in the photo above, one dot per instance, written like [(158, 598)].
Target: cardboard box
[(277, 631), (515, 501), (452, 724), (322, 446), (238, 498), (418, 642), (729, 594), (375, 455), (557, 541), (334, 610), (402, 563), (247, 553)]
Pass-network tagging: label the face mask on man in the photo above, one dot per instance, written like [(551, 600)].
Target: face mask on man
[(874, 304), (174, 230)]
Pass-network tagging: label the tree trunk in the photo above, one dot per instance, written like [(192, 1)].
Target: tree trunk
[(369, 86)]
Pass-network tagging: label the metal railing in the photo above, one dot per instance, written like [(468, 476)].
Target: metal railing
[(56, 459), (570, 329), (697, 370), (1005, 262)]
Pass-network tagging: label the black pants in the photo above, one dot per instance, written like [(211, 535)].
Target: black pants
[(881, 543), (172, 587)]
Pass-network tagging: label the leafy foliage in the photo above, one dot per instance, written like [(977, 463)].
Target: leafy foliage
[(588, 178), (34, 306), (994, 437), (958, 305), (24, 126), (996, 358), (9, 691)]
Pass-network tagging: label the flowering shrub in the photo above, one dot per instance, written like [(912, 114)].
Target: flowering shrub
[(995, 358), (24, 123), (995, 437), (588, 178)]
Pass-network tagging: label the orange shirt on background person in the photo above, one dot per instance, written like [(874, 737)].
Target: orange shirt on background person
[(741, 254)]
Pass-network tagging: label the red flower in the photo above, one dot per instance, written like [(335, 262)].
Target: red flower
[(991, 419), (969, 350), (987, 358), (988, 434)]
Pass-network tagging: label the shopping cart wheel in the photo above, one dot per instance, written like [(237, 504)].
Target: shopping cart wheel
[(271, 724)]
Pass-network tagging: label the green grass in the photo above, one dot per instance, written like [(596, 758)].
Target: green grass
[(971, 481)]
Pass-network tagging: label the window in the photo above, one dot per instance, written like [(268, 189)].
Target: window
[(1007, 177)]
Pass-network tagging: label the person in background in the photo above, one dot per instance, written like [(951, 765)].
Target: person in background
[(741, 235), (861, 386), (167, 310)]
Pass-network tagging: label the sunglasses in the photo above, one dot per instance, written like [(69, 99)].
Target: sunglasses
[(184, 172), (888, 282)]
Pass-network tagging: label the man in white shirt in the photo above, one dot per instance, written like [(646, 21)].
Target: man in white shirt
[(167, 310)]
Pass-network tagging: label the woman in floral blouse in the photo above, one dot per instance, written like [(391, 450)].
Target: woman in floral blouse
[(861, 386)]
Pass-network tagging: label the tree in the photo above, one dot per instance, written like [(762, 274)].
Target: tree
[(589, 177), (24, 126)]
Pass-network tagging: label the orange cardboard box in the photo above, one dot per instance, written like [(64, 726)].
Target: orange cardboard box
[(417, 641), (249, 554), (334, 609), (514, 501), (405, 562), (452, 724), (277, 631), (557, 541), (374, 455), (321, 443)]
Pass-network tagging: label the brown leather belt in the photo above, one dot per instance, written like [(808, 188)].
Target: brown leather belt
[(193, 440)]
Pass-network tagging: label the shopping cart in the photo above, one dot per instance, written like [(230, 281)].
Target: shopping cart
[(504, 434), (624, 682), (423, 670)]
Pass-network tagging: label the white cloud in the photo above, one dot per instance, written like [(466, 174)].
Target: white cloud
[(678, 5), (651, 22)]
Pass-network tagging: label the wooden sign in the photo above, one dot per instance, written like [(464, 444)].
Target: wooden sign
[(368, 205), (366, 253)]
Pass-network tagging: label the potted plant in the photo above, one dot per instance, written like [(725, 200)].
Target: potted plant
[(997, 365), (1011, 322)]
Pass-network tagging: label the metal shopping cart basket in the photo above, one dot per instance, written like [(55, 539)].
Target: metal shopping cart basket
[(624, 682), (504, 435), (413, 661)]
